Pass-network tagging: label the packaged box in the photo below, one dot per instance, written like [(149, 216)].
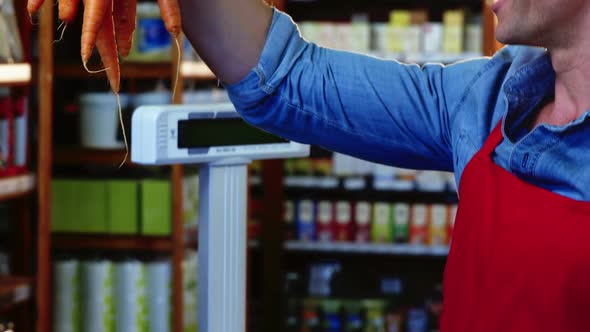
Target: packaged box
[(473, 38), (380, 38), (432, 38), (419, 224), (399, 21), (155, 207), (325, 221), (343, 224), (92, 206), (401, 222), (360, 37), (381, 228), (305, 220), (438, 225), (362, 222), (63, 205), (454, 23), (122, 206)]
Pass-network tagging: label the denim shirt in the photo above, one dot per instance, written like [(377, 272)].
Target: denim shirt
[(422, 117)]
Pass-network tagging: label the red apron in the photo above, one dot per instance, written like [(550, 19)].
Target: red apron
[(520, 257)]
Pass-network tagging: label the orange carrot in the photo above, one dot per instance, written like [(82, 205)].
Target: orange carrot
[(107, 48), (94, 15), (68, 10), (170, 11), (33, 6), (124, 12)]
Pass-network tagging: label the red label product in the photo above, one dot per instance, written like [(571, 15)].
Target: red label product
[(362, 222), (419, 224), (343, 221), (325, 218)]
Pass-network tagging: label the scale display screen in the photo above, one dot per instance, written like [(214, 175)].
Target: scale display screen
[(222, 132), (203, 133)]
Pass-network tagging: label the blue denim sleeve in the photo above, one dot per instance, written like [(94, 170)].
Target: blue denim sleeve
[(373, 109)]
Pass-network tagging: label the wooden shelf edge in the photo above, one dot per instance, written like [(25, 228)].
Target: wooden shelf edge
[(111, 242), (195, 70), (78, 156), (15, 74), (16, 186), (14, 290)]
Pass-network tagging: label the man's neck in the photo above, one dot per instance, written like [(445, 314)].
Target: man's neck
[(572, 85)]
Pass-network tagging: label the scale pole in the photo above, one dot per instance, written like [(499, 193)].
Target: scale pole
[(222, 246)]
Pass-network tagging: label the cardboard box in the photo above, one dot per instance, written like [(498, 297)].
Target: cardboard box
[(156, 209), (123, 206), (453, 31), (91, 214), (63, 197)]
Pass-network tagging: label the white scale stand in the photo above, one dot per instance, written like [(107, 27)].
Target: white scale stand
[(215, 137)]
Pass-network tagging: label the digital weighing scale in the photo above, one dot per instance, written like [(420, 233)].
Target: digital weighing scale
[(216, 137)]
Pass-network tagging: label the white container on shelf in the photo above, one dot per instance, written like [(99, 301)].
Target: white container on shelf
[(66, 300), (130, 301), (157, 97), (158, 281), (97, 296), (99, 120)]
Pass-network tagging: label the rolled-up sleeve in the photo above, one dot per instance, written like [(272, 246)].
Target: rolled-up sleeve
[(374, 109)]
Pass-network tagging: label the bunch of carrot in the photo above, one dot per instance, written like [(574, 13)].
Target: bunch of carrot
[(109, 25)]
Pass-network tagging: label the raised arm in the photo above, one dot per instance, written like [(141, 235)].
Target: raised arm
[(374, 109), (228, 34)]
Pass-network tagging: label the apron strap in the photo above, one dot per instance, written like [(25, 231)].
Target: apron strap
[(493, 140)]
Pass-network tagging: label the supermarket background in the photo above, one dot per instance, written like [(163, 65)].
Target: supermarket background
[(335, 243)]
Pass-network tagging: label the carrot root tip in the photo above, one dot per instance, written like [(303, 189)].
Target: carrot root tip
[(85, 63), (177, 70), (123, 130), (63, 31)]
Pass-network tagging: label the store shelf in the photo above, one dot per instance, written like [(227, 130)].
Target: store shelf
[(189, 69), (112, 242), (83, 156), (128, 70), (15, 74), (14, 290), (366, 188), (367, 248), (196, 70), (16, 186)]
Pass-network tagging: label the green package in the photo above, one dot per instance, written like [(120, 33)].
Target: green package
[(156, 211), (122, 201), (63, 202), (381, 227), (91, 215), (401, 222)]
